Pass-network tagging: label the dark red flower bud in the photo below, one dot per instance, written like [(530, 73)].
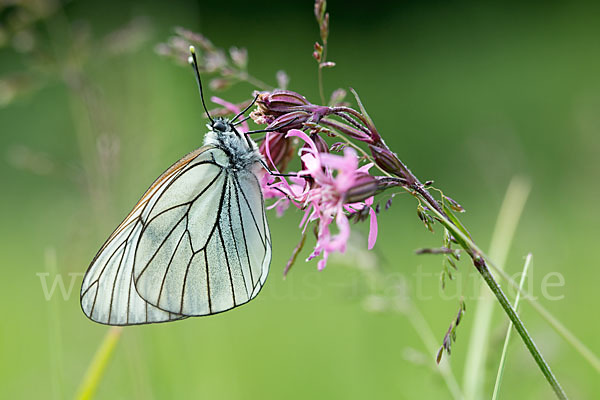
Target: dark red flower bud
[(321, 144), (386, 160), (292, 120), (281, 150), (286, 98), (364, 187)]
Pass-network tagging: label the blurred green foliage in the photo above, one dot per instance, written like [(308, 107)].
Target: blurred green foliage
[(467, 94)]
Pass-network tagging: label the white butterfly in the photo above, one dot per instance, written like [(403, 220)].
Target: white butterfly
[(197, 243)]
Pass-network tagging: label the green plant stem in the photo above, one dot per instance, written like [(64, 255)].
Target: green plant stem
[(485, 273), (480, 264), (495, 288), (509, 331), (96, 369), (562, 330), (558, 327), (415, 187)]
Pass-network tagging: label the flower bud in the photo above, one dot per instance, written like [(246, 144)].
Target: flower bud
[(278, 108), (386, 160), (292, 120), (365, 186), (324, 28), (348, 130), (328, 64), (320, 143), (282, 100), (319, 10), (281, 150), (454, 205)]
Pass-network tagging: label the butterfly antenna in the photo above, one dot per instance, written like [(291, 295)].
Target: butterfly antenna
[(194, 63), (272, 129), (244, 110), (241, 121)]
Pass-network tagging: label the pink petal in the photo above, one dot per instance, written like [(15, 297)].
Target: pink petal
[(311, 163), (303, 136), (305, 218), (268, 151), (346, 165), (339, 241), (372, 228), (322, 262), (365, 168), (347, 162), (282, 179)]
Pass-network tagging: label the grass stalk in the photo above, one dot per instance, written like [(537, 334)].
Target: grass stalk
[(98, 365), (554, 323), (509, 331)]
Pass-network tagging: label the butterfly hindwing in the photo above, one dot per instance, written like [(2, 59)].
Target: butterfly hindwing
[(209, 251)]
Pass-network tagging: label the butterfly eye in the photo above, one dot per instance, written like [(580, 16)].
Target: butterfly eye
[(219, 126)]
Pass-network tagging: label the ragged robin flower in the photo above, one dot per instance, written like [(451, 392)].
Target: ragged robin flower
[(328, 188)]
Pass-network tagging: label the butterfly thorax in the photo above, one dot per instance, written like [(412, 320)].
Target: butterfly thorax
[(242, 151)]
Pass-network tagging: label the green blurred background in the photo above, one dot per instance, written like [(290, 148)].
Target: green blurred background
[(468, 94)]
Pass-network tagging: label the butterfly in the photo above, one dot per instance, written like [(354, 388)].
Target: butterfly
[(197, 242)]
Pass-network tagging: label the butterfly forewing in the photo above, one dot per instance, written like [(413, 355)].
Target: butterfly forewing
[(108, 293)]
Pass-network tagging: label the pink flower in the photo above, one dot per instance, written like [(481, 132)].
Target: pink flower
[(329, 188)]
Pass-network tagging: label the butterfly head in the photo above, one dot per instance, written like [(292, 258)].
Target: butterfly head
[(242, 150), (221, 125)]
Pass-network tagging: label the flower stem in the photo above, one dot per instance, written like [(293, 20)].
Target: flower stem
[(321, 91), (508, 332), (96, 369), (543, 365), (484, 271), (482, 268), (558, 326)]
